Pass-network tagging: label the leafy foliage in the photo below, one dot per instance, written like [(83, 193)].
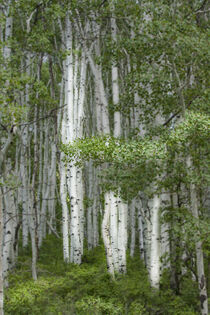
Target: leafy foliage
[(89, 289)]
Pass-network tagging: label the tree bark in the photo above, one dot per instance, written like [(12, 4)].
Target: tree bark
[(106, 234), (155, 243), (198, 247), (132, 227), (1, 259)]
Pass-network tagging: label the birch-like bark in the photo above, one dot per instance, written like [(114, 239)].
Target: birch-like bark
[(33, 225), (115, 85), (52, 183), (79, 133), (40, 180), (45, 186), (10, 223), (102, 114), (17, 202), (93, 205), (24, 181), (101, 125), (33, 234), (145, 214), (90, 206), (106, 234), (141, 235), (75, 74), (75, 253), (114, 228), (1, 258), (5, 148), (154, 269), (10, 218), (62, 127), (132, 226), (198, 247), (6, 55), (164, 234), (96, 209), (8, 32), (111, 224), (119, 209), (122, 234), (65, 212)]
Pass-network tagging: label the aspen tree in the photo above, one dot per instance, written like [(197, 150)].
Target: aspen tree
[(198, 245), (1, 258)]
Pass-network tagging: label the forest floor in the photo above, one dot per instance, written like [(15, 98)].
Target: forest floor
[(67, 289)]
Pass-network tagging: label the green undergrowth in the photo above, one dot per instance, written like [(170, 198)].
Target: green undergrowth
[(67, 289)]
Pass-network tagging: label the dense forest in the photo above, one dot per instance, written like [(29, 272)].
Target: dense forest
[(104, 157)]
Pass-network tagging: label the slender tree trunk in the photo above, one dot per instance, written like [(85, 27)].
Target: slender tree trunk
[(164, 234), (62, 124), (52, 183), (198, 247), (90, 194), (106, 234), (114, 228), (96, 208), (133, 226), (122, 235), (75, 79), (65, 212), (45, 187), (33, 226), (119, 208), (40, 180), (155, 243), (1, 258), (141, 234), (10, 223), (24, 188)]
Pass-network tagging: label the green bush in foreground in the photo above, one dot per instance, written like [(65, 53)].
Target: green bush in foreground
[(88, 289)]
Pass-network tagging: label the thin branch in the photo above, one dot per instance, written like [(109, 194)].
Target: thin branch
[(52, 229), (49, 115), (178, 112)]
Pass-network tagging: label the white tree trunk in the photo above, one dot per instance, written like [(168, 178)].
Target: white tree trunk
[(8, 32), (141, 234), (115, 85), (75, 78), (119, 208), (102, 113), (62, 127), (154, 269), (52, 184), (164, 234), (93, 205), (198, 247), (1, 258), (90, 196), (40, 180), (106, 234), (114, 228), (96, 209), (132, 226), (122, 235), (65, 212), (45, 187), (10, 219), (32, 229), (24, 188)]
